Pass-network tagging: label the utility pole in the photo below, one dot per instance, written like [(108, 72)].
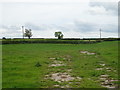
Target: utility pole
[(100, 33), (23, 31)]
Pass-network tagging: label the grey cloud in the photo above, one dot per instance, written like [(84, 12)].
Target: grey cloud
[(109, 6), (11, 27), (38, 27), (45, 27), (11, 31), (77, 26), (84, 26), (110, 28), (32, 26)]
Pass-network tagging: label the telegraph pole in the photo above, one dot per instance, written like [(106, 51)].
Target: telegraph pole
[(100, 33), (23, 31)]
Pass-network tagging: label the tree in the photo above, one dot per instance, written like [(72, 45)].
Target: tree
[(59, 35), (3, 38), (28, 33)]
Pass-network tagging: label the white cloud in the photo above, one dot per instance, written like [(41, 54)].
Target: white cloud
[(10, 33), (110, 8), (98, 10)]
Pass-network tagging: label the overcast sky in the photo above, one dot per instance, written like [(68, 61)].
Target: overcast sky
[(74, 18)]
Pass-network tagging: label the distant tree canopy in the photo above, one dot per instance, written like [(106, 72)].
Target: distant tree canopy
[(28, 33), (59, 35), (3, 38)]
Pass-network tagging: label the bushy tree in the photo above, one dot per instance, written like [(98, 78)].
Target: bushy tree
[(59, 35), (3, 38), (28, 33)]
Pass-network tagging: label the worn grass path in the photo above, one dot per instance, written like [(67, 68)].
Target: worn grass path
[(61, 73)]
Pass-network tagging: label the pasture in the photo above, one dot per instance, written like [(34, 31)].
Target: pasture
[(60, 65)]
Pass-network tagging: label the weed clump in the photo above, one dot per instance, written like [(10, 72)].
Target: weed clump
[(37, 64)]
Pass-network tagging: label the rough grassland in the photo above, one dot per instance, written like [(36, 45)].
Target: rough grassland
[(28, 65)]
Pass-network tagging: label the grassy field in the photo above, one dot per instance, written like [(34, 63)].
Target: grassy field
[(35, 65)]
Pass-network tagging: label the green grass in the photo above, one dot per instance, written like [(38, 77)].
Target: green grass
[(19, 60)]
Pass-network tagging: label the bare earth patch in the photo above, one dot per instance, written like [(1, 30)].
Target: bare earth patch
[(57, 63), (99, 68), (56, 85), (107, 82), (104, 76), (108, 69), (52, 58), (69, 70), (66, 86), (102, 64), (61, 77), (88, 53)]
